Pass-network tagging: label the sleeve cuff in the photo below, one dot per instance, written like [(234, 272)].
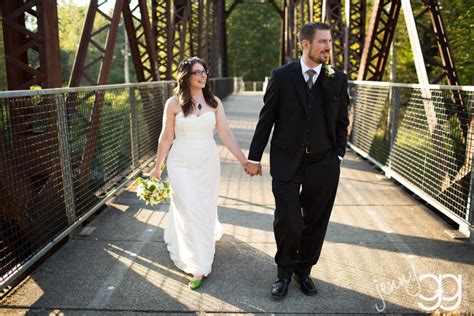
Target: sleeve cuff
[(253, 161), (340, 158)]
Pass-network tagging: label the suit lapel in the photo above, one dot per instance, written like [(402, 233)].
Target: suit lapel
[(326, 84), (298, 81)]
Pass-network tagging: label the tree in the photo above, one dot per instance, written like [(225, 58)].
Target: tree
[(71, 24), (253, 32), (458, 19), (458, 16)]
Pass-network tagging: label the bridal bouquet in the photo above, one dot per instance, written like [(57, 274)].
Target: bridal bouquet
[(152, 191)]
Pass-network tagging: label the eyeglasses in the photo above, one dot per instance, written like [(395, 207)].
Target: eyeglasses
[(199, 72)]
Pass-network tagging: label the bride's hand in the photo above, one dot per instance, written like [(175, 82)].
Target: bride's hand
[(155, 173)]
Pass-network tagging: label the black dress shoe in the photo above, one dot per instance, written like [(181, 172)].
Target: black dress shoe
[(306, 284), (280, 288)]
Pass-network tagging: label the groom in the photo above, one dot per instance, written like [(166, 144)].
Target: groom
[(306, 103)]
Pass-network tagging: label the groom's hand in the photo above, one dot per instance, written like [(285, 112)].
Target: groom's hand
[(253, 169)]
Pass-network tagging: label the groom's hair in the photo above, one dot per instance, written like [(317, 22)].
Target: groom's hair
[(308, 30)]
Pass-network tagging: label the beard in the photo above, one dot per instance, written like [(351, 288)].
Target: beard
[(318, 59)]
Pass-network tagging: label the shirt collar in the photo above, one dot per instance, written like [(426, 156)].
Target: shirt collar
[(304, 68)]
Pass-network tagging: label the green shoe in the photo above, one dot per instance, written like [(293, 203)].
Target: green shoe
[(194, 284)]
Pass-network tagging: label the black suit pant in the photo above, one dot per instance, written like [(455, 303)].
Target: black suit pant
[(303, 206)]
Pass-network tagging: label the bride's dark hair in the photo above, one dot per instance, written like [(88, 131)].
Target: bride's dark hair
[(183, 91)]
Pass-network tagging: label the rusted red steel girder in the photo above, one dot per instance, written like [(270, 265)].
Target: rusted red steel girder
[(20, 39), (196, 28), (289, 48), (298, 12), (379, 38), (438, 56), (180, 29), (31, 188), (141, 40), (80, 71), (190, 28), (22, 73), (222, 69), (162, 32), (437, 34), (354, 38), (334, 17), (144, 56), (212, 49), (89, 40)]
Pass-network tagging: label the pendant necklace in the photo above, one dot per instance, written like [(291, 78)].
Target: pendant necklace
[(199, 106)]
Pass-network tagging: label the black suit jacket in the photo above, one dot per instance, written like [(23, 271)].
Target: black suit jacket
[(286, 110)]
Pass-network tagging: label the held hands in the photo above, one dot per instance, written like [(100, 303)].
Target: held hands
[(253, 169)]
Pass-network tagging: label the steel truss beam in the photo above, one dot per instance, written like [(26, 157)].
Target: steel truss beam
[(96, 68), (212, 46), (197, 27), (379, 38), (289, 39), (30, 177), (180, 29), (161, 25), (101, 61), (142, 43), (443, 63), (333, 16), (23, 40), (191, 28), (347, 44), (355, 37)]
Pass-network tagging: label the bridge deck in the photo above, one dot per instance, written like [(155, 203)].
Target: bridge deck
[(381, 242)]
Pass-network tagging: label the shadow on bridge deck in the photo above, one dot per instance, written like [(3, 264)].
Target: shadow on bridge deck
[(380, 245)]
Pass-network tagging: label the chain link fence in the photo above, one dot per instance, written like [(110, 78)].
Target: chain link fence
[(422, 136), (64, 152)]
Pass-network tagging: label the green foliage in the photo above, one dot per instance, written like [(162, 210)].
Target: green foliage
[(71, 22), (458, 16), (405, 70), (458, 19), (454, 136), (253, 32)]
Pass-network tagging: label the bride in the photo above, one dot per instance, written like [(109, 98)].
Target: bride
[(189, 119)]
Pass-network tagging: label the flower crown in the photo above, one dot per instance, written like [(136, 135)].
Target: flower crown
[(190, 60)]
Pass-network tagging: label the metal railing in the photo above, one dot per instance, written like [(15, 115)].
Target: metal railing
[(248, 86), (64, 152), (422, 136)]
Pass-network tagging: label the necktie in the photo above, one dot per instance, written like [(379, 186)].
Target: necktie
[(310, 73)]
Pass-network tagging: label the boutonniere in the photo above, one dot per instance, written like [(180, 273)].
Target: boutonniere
[(329, 71)]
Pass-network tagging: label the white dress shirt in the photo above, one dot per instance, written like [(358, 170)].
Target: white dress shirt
[(305, 68)]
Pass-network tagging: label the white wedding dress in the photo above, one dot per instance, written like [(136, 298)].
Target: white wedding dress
[(192, 226)]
